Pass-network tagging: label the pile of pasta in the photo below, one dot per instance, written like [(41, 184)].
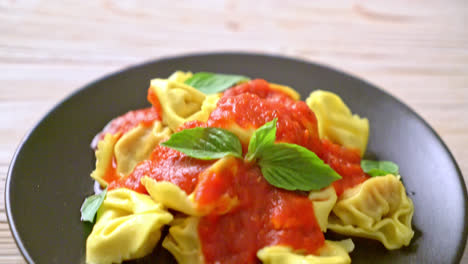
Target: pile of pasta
[(129, 223)]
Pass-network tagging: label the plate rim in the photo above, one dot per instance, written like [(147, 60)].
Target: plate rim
[(11, 223)]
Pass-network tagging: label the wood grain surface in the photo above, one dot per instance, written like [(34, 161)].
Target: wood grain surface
[(415, 50)]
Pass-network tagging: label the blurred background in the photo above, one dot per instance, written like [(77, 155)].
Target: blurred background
[(415, 50)]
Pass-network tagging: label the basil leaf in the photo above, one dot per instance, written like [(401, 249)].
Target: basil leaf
[(210, 83), (263, 136), (91, 205), (205, 143), (379, 168), (293, 167)]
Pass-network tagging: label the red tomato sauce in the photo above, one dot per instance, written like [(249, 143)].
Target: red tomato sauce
[(262, 216), (122, 125), (125, 123), (131, 119), (165, 164), (259, 87), (111, 173), (346, 162), (154, 100), (296, 122)]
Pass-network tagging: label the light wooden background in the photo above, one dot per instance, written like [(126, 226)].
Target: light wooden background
[(416, 50)]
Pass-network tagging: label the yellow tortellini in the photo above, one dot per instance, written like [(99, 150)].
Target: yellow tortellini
[(286, 89), (180, 102), (128, 226), (182, 241), (137, 144), (330, 253), (180, 76), (336, 122), (244, 134), (129, 149), (171, 196), (377, 209), (323, 202), (104, 155)]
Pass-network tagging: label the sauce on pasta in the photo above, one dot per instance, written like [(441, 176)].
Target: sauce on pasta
[(262, 216), (131, 119), (252, 104), (121, 125), (165, 164), (346, 162)]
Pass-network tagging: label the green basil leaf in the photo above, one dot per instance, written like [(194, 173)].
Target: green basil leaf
[(205, 143), (210, 83), (293, 167), (263, 136), (91, 205), (379, 168)]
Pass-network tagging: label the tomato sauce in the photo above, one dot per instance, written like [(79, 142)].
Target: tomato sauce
[(122, 125), (154, 100), (261, 216), (261, 88), (346, 162), (111, 173), (165, 164), (125, 123), (131, 119), (296, 122)]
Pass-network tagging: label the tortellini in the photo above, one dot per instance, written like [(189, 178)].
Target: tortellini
[(128, 226), (286, 89), (323, 202), (180, 102), (336, 122), (137, 144), (104, 155), (330, 253), (182, 241), (129, 149), (244, 134), (180, 76), (171, 196), (377, 209)]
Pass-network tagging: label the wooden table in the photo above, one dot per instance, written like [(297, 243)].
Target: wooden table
[(415, 50)]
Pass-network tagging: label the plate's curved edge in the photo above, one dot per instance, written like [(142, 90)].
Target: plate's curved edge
[(11, 223)]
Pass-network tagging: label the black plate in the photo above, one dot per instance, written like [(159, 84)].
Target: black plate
[(49, 174)]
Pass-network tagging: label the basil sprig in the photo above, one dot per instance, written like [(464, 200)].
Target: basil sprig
[(262, 137), (284, 165), (210, 83), (379, 168), (288, 166), (91, 205)]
